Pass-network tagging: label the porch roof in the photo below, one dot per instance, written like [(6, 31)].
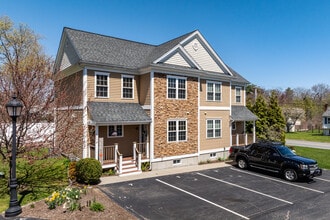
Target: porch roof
[(117, 113), (242, 113)]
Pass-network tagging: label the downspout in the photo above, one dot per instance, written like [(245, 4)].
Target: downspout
[(230, 113), (85, 114), (199, 119)]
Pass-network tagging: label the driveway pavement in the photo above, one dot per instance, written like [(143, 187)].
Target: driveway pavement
[(221, 192), (311, 144)]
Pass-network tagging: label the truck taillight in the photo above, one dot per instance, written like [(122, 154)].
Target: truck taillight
[(230, 150)]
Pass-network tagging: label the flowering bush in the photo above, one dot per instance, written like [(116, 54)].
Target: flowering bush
[(67, 197)]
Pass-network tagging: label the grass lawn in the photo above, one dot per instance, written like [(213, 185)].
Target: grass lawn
[(38, 180), (315, 135), (320, 155)]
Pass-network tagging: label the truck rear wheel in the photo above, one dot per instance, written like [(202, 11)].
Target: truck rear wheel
[(242, 164), (290, 175)]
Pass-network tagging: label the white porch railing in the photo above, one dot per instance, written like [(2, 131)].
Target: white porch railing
[(242, 139), (136, 156), (109, 156)]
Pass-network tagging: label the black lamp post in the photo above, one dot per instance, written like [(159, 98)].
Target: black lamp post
[(14, 109)]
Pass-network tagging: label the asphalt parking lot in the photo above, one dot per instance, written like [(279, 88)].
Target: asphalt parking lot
[(223, 193)]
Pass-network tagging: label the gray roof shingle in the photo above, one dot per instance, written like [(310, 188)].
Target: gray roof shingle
[(242, 113), (105, 50), (117, 113)]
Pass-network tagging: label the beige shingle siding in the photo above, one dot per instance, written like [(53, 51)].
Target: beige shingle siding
[(144, 88), (214, 143), (115, 88), (201, 56), (225, 90), (69, 56), (177, 59), (165, 109)]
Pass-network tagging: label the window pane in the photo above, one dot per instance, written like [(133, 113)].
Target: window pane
[(172, 125), (217, 133), (182, 94), (127, 93), (182, 83), (209, 133), (172, 93), (210, 96), (182, 125), (171, 83), (217, 124), (182, 135), (210, 87), (101, 91), (209, 124), (119, 130), (171, 136), (217, 87), (217, 97)]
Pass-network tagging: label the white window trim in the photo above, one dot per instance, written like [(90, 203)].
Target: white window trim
[(95, 84), (213, 119), (214, 82), (177, 87), (240, 93), (122, 85), (109, 136), (177, 130)]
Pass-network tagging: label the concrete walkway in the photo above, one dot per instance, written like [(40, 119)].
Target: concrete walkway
[(164, 172), (310, 144)]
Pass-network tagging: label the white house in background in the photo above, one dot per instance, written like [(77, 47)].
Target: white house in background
[(326, 121)]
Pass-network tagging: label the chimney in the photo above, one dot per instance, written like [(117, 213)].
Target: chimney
[(325, 107)]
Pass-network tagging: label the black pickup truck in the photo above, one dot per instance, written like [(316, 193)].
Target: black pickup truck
[(274, 157)]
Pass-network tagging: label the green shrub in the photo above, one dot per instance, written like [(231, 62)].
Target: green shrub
[(88, 171), (145, 166), (96, 207)]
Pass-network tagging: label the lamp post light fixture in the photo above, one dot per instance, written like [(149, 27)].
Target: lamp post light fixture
[(14, 109)]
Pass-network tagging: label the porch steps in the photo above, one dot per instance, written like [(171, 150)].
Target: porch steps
[(129, 167)]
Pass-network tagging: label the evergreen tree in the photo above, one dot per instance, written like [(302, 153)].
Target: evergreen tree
[(262, 124), (276, 121)]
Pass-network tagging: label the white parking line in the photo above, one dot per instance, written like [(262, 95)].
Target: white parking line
[(201, 198), (321, 179), (251, 190), (284, 182)]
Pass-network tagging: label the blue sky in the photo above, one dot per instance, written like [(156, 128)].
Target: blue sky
[(274, 44)]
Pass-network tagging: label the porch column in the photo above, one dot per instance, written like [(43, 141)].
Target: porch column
[(85, 114), (254, 131), (96, 142)]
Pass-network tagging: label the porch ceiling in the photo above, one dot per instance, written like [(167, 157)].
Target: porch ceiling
[(242, 113), (117, 113)]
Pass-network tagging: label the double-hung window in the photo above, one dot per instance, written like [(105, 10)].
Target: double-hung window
[(176, 87), (101, 85), (127, 87), (176, 130), (238, 95), (213, 128), (115, 131), (213, 91)]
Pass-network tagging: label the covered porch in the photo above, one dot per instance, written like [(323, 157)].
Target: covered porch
[(239, 116), (119, 135)]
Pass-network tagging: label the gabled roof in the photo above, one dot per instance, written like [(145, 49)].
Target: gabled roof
[(242, 113), (117, 113), (78, 46)]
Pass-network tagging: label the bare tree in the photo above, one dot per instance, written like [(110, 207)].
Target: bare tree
[(27, 71)]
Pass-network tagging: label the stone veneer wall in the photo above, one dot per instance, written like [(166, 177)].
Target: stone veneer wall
[(165, 109)]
